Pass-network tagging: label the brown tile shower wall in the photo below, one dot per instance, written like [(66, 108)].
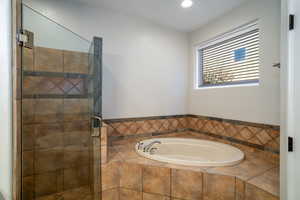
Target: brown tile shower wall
[(56, 145), (260, 136)]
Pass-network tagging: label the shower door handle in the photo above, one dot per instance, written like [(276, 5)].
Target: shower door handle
[(97, 118), (96, 130)]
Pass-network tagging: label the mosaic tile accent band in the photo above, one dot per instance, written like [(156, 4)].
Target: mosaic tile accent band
[(52, 73), (261, 136)]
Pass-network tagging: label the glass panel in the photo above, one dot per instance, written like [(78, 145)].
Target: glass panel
[(51, 34), (60, 158)]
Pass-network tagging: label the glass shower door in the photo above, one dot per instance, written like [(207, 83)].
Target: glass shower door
[(61, 112)]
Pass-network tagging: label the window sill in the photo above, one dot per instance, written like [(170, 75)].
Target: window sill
[(227, 86)]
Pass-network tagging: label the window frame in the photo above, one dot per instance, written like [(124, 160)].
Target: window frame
[(221, 38)]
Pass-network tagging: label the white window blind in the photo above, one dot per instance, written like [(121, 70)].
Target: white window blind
[(235, 60)]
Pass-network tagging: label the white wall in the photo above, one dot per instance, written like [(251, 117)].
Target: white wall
[(252, 103), (145, 69), (145, 65), (5, 100)]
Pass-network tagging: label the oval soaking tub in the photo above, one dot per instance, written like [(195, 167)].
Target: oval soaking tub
[(192, 152)]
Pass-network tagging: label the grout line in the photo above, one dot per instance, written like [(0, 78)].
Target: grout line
[(235, 122), (235, 193), (203, 185), (142, 181), (171, 170), (260, 174)]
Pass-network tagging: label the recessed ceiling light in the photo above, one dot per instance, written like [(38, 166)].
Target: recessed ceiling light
[(186, 3)]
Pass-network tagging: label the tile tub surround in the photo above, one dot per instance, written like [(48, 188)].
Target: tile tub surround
[(258, 137), (135, 177)]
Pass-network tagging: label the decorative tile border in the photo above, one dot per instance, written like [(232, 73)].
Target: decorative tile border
[(134, 136), (235, 122), (55, 74), (260, 136), (143, 118), (137, 127), (54, 85)]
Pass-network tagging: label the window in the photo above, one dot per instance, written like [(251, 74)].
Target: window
[(231, 59)]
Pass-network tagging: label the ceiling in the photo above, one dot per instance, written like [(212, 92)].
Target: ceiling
[(170, 13)]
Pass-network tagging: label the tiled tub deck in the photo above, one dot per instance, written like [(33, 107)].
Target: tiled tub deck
[(128, 176)]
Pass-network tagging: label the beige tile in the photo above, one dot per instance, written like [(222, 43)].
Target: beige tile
[(104, 137), (157, 180), (73, 158), (77, 133), (148, 196), (48, 110), (131, 176), (76, 109), (48, 160), (30, 85), (269, 181), (250, 167), (185, 167), (55, 196), (76, 177), (82, 193), (46, 184), (104, 154), (113, 155), (192, 187), (267, 156), (28, 137), (239, 189), (147, 162), (218, 187), (28, 111), (112, 194), (50, 60), (126, 194), (48, 135), (254, 193), (27, 163), (75, 62), (27, 59), (28, 188), (126, 151), (110, 175)]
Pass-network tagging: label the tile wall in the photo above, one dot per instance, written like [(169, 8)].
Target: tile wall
[(58, 154), (258, 136), (123, 181), (57, 150)]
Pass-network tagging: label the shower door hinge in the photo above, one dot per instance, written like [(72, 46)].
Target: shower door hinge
[(290, 144), (291, 22), (25, 39)]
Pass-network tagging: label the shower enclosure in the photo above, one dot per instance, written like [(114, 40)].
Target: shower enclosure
[(61, 111)]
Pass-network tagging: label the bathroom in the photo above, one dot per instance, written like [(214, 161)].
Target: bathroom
[(150, 100)]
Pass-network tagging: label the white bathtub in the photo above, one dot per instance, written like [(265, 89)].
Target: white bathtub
[(192, 152)]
